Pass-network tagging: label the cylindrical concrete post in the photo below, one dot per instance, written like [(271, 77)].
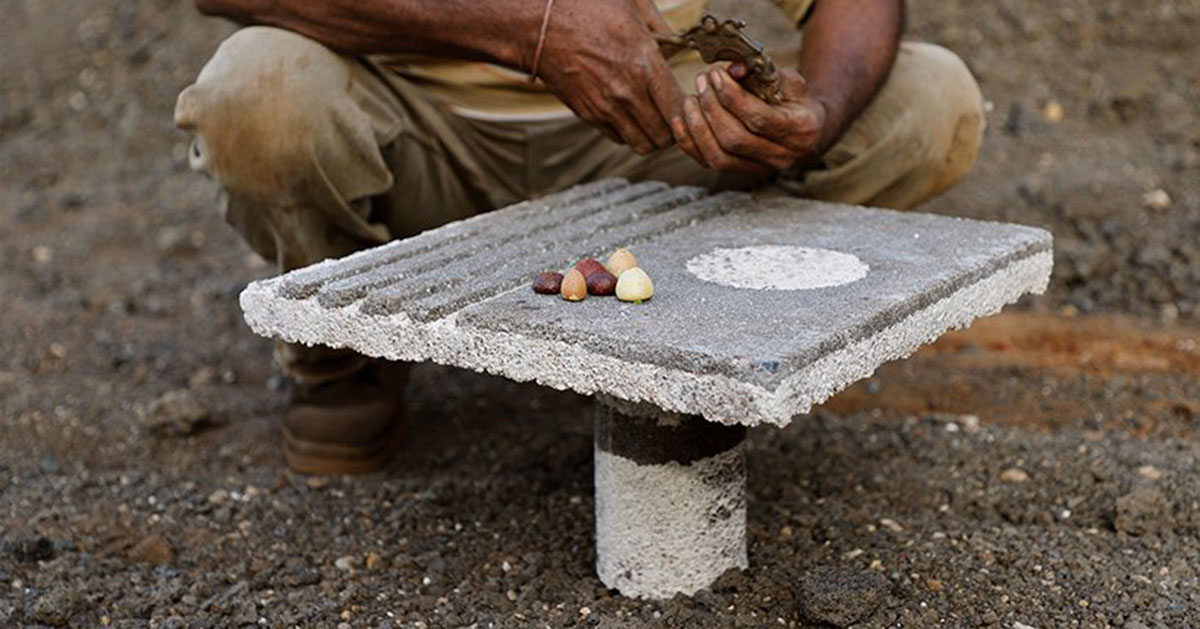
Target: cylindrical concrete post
[(670, 500)]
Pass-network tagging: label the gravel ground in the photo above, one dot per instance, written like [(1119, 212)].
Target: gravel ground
[(1039, 470)]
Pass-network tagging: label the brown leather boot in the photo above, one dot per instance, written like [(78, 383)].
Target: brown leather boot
[(346, 426)]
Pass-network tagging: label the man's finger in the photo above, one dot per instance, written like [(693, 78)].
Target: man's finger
[(757, 115), (685, 141), (706, 142), (585, 113), (629, 129), (666, 97), (735, 138)]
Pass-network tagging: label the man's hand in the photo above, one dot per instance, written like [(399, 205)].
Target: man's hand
[(602, 61), (727, 128)]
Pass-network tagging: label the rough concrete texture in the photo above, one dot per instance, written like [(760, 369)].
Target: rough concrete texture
[(669, 529), (459, 295), (670, 501)]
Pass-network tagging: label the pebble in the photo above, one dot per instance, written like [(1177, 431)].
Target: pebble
[(153, 550), (1053, 112), (32, 549), (344, 563), (218, 497), (840, 596), (1014, 475), (1149, 472), (891, 525), (176, 414), (1157, 199), (42, 254), (1143, 511)]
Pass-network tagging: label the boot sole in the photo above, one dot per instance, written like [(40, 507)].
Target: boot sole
[(321, 459)]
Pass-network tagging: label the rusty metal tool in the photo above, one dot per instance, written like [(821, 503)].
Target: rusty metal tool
[(719, 39)]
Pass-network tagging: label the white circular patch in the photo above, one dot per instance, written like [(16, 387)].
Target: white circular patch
[(778, 267)]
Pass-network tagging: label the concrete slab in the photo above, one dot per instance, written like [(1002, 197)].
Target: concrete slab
[(762, 308)]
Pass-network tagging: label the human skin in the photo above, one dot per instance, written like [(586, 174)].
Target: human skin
[(846, 54), (599, 58), (602, 61)]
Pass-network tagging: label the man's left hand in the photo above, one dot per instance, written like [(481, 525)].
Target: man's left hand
[(727, 128)]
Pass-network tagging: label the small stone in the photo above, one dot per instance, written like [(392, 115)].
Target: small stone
[(574, 286), (218, 497), (373, 560), (590, 266), (1014, 475), (32, 549), (1143, 511), (178, 239), (202, 378), (634, 285), (1149, 472), (1053, 112), (42, 254), (153, 549), (620, 261), (601, 283), (840, 596), (345, 564), (176, 414), (1157, 199), (891, 525), (548, 283)]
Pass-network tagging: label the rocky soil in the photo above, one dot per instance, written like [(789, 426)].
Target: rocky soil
[(1039, 470)]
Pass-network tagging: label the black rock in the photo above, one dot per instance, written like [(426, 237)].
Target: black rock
[(840, 596), (31, 549)]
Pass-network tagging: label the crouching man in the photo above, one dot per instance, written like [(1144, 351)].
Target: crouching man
[(339, 125)]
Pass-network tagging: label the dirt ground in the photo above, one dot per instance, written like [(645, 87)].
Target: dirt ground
[(1041, 469)]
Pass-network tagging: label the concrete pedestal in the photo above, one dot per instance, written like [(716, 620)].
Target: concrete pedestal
[(762, 309), (670, 500)]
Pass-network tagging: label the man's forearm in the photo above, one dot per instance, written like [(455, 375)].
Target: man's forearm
[(493, 30), (848, 50)]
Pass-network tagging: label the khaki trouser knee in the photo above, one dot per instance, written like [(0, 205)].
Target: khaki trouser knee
[(918, 137)]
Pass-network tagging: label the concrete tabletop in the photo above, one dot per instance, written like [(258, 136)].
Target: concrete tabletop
[(762, 308)]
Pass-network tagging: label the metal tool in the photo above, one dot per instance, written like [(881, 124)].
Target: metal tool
[(718, 39)]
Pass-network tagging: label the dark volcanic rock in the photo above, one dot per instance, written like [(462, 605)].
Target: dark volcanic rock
[(840, 596)]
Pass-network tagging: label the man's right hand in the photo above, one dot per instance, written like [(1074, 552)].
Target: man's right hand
[(602, 61), (600, 56)]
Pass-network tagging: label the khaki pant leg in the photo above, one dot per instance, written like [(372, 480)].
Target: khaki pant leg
[(308, 146), (918, 136)]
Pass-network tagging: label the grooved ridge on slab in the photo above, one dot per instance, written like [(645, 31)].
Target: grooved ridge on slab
[(732, 355), (304, 282)]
